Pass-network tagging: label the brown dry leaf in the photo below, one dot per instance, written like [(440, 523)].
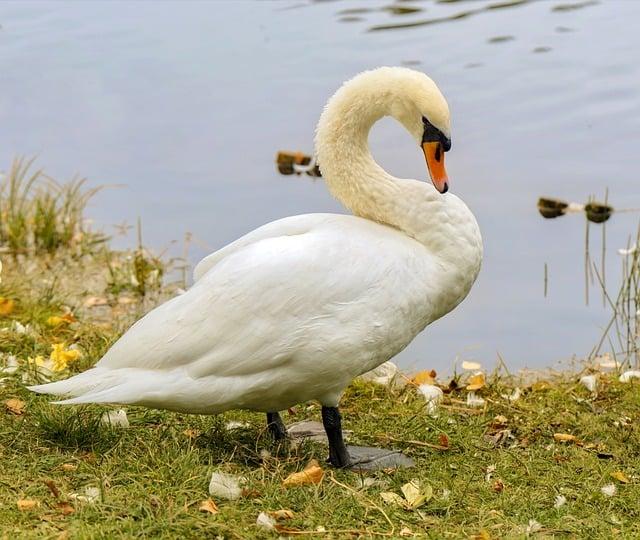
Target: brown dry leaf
[(312, 474), (15, 406), (443, 440), (191, 433), (424, 377), (64, 535), (65, 508), (208, 506), (620, 476), (281, 515), (53, 488), (564, 437), (6, 306), (498, 486), (69, 467), (27, 504), (476, 382)]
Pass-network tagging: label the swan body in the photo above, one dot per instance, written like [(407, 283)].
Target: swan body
[(297, 308)]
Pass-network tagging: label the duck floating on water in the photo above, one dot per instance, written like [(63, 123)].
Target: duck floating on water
[(296, 309)]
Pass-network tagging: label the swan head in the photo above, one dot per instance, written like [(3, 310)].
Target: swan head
[(420, 107), (407, 95)]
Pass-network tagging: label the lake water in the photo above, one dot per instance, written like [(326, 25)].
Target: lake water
[(186, 104)]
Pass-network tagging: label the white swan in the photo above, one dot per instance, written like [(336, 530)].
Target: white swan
[(296, 309)]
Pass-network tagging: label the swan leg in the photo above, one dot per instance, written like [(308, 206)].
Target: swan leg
[(338, 454), (276, 426)]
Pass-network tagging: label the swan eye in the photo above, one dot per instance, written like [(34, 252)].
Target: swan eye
[(432, 134)]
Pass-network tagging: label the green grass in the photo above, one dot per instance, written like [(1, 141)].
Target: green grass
[(154, 475), (494, 477)]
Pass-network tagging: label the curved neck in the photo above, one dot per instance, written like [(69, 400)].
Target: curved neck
[(365, 188)]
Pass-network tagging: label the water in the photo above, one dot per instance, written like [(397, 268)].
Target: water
[(186, 104)]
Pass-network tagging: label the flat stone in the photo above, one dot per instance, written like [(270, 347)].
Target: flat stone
[(368, 458)]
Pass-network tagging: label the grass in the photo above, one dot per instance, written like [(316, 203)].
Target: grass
[(494, 471), (495, 476)]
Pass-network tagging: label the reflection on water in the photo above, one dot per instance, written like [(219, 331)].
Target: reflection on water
[(188, 103)]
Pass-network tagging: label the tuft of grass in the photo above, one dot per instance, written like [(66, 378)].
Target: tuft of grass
[(39, 214)]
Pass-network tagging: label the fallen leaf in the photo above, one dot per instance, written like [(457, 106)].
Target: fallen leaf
[(65, 508), (482, 535), (281, 515), (91, 494), (312, 474), (225, 486), (540, 386), (392, 498), (433, 396), (470, 365), (534, 526), (620, 476), (498, 486), (415, 495), (476, 382), (27, 504), (57, 320), (191, 433), (15, 406), (589, 382), (406, 531), (424, 377), (443, 440), (208, 506), (6, 306), (52, 488), (61, 356), (69, 467), (564, 437)]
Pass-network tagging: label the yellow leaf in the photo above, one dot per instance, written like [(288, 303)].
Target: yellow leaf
[(15, 406), (61, 356), (57, 320), (6, 306), (476, 382), (69, 467), (312, 474), (564, 437), (540, 386), (620, 476), (415, 495), (281, 515), (208, 506), (27, 504), (424, 377), (392, 498)]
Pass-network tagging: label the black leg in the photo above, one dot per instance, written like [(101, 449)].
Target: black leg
[(338, 455), (276, 426)]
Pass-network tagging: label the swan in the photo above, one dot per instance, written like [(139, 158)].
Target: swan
[(296, 309)]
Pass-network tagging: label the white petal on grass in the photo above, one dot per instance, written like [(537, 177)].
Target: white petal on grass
[(628, 375), (11, 365), (432, 395), (234, 424), (609, 490), (19, 328), (116, 418), (534, 526), (589, 382), (471, 365), (90, 495), (514, 396), (560, 500), (225, 486), (474, 401), (265, 521)]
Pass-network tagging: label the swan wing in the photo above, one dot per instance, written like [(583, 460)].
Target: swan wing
[(278, 299)]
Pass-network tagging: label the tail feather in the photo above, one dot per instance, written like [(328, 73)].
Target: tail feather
[(90, 381)]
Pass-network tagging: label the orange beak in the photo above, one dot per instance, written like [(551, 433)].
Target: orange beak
[(434, 154)]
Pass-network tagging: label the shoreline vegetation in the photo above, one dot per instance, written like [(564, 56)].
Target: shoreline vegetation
[(498, 455)]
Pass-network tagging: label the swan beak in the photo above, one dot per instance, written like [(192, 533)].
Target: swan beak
[(434, 154)]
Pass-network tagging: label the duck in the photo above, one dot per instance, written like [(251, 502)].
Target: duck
[(293, 311)]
